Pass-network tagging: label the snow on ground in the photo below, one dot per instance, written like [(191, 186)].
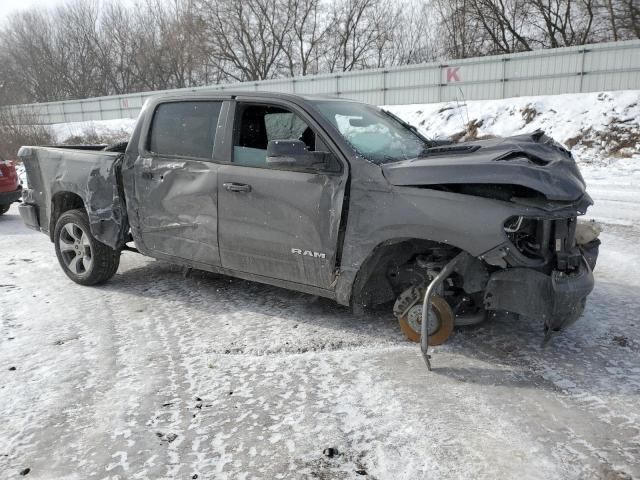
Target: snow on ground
[(154, 375), (615, 186)]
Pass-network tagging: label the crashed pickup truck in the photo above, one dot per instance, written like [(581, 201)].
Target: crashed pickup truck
[(330, 197)]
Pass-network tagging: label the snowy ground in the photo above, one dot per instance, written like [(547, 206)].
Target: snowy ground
[(158, 376)]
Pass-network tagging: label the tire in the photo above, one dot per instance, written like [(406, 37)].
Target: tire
[(4, 209), (83, 259)]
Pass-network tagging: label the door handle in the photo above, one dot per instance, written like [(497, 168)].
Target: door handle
[(237, 187)]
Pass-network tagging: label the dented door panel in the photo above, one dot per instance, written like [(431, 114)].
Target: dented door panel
[(177, 212), (285, 227)]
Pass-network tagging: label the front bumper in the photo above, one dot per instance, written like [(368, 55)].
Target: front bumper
[(557, 299), (7, 198)]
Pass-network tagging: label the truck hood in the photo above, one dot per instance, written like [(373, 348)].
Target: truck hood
[(533, 161)]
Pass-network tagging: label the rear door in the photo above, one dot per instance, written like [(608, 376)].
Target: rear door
[(176, 181), (278, 223)]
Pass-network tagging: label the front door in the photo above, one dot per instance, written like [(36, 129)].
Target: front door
[(176, 183), (275, 222)]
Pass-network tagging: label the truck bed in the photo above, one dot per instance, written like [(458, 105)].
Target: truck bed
[(86, 174)]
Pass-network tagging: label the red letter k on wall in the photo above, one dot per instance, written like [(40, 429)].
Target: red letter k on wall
[(452, 74)]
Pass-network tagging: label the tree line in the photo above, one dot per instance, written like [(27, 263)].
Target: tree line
[(87, 48)]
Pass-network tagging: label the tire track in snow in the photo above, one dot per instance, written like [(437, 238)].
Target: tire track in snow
[(282, 377)]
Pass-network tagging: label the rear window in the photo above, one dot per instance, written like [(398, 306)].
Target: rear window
[(185, 129)]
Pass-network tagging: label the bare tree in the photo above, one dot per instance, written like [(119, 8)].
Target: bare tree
[(308, 31), (505, 22), (27, 40), (412, 40), (116, 45), (74, 39), (84, 48), (623, 18), (563, 22), (246, 39), (460, 34), (353, 33)]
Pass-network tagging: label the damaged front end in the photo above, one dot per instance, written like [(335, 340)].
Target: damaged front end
[(543, 266), (544, 270)]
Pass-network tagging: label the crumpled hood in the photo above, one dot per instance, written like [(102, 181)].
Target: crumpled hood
[(533, 161)]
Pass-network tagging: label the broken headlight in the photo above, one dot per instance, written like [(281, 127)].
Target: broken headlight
[(551, 240)]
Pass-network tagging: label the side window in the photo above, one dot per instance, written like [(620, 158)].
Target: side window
[(257, 125), (184, 129)]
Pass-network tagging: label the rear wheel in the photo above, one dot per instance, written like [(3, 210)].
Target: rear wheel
[(83, 258), (4, 209)]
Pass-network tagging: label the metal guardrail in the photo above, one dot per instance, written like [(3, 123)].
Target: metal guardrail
[(586, 68)]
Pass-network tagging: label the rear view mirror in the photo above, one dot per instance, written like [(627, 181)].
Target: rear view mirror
[(359, 122), (294, 153)]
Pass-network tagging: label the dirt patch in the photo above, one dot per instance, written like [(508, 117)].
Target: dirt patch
[(445, 108), (458, 136), (472, 129), (471, 132), (528, 114), (620, 140), (621, 340)]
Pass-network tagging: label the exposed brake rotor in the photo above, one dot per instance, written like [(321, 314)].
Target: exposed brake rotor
[(408, 310)]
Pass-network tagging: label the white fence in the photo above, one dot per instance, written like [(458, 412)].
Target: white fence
[(588, 68)]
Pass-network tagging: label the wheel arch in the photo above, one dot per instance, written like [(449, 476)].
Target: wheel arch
[(371, 281), (62, 202)]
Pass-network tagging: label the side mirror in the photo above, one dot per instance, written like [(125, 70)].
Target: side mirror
[(294, 153)]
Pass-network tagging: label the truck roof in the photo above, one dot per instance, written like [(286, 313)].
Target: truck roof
[(292, 97)]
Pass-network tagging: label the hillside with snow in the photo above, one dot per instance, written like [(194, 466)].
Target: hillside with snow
[(595, 126)]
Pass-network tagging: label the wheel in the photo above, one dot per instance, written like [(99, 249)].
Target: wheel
[(83, 258), (441, 321), (4, 209)]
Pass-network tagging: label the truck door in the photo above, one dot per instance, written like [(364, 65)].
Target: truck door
[(279, 222), (176, 182)]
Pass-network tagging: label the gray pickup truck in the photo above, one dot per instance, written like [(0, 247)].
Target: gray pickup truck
[(331, 197)]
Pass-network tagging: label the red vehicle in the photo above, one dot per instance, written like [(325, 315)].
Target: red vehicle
[(10, 188)]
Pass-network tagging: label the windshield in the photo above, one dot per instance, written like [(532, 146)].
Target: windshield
[(375, 134)]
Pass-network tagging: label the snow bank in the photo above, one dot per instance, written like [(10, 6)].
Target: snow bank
[(597, 126)]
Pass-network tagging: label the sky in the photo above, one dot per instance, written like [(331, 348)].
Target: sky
[(10, 6), (7, 7)]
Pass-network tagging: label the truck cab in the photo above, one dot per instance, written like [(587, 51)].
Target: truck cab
[(208, 186)]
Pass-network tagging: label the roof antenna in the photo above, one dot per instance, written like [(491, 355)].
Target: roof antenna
[(465, 124)]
